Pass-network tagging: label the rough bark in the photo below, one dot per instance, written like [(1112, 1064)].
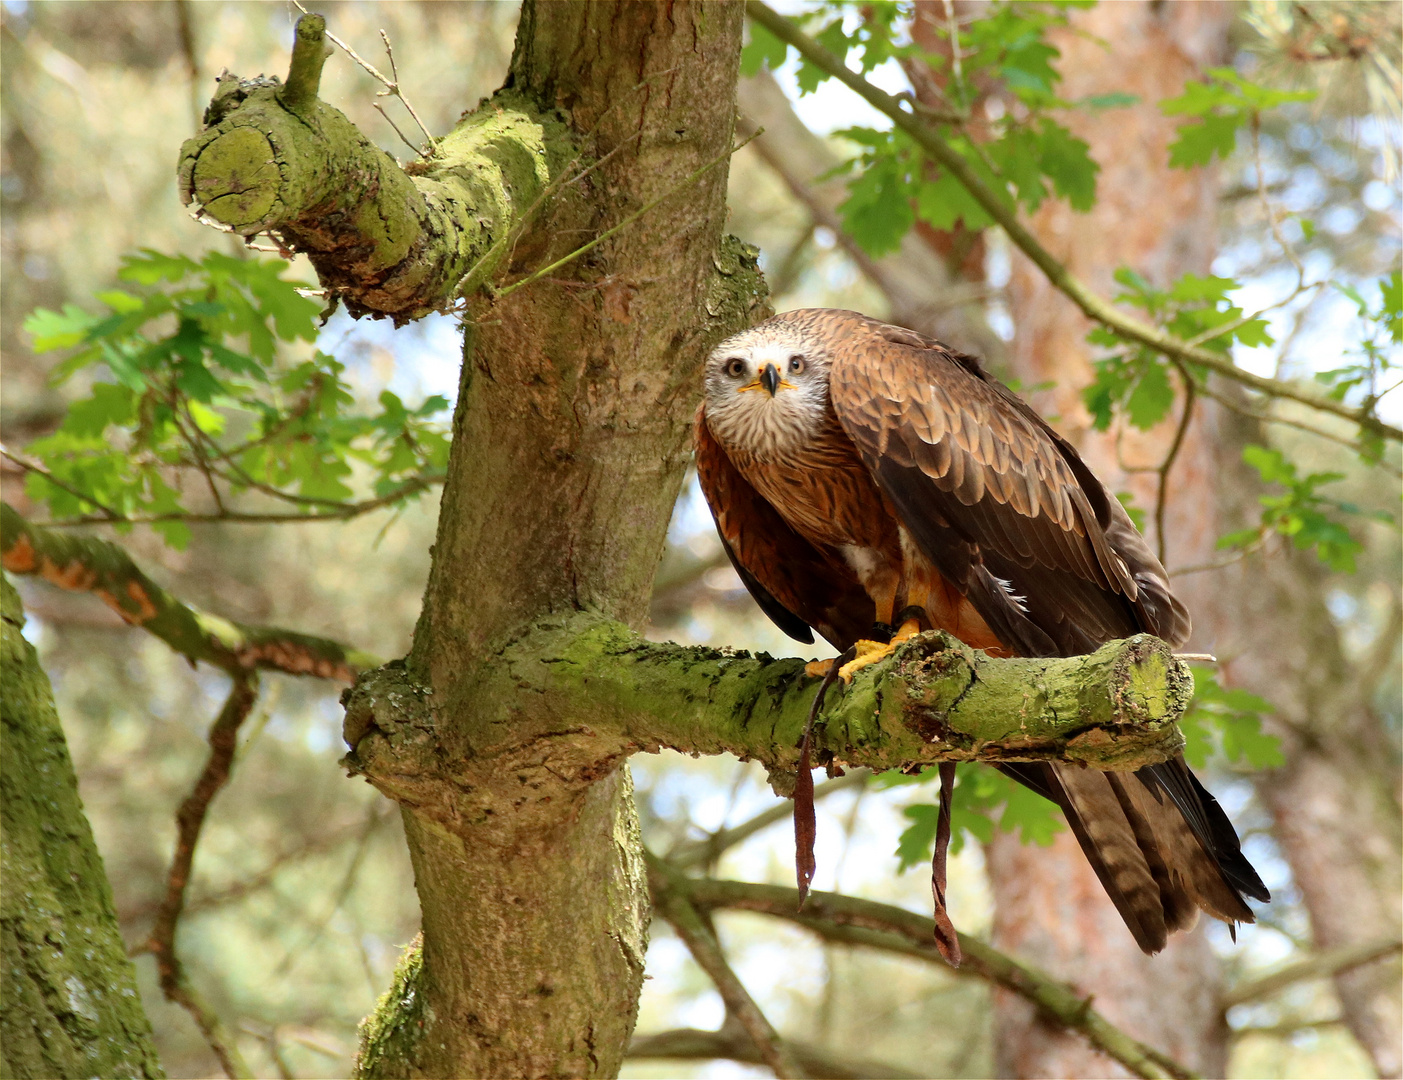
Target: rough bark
[(70, 1005), (1050, 907), (569, 446)]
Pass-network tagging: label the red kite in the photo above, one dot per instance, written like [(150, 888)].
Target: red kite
[(856, 470)]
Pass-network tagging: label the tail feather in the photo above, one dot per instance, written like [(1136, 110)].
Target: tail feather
[(1159, 859)]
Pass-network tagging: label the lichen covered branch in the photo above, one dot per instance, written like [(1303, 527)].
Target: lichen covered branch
[(583, 693), (385, 240), (87, 564)]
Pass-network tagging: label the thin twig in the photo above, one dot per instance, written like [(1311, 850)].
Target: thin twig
[(190, 819), (706, 950), (391, 85), (1162, 488), (404, 138), (709, 849), (1321, 965), (852, 921)]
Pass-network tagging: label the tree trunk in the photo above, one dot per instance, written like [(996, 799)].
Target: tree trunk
[(569, 446), (1050, 907), (70, 1005), (1335, 803)]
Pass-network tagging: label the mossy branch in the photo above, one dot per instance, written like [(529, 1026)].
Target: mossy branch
[(583, 692), (384, 239), (87, 564)]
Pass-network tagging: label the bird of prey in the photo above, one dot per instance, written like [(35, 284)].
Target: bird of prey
[(858, 471)]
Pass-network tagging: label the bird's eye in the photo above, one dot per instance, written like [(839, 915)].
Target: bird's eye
[(796, 365), (735, 367)]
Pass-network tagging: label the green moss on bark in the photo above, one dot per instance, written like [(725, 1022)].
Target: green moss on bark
[(70, 1005), (390, 1034)]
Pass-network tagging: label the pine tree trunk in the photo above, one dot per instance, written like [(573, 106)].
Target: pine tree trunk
[(70, 1005), (1051, 910)]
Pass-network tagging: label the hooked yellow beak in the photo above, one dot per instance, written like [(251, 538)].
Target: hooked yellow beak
[(769, 380)]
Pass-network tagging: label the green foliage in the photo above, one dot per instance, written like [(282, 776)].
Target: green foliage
[(1376, 353), (1300, 512), (1227, 722), (1026, 155), (1216, 108), (984, 800), (202, 395), (1135, 379)]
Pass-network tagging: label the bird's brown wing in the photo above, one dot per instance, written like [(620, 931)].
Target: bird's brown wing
[(1006, 509), (1002, 506), (796, 585)]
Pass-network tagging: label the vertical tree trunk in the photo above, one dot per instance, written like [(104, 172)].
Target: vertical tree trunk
[(1335, 803), (70, 1004), (1051, 910), (569, 447)]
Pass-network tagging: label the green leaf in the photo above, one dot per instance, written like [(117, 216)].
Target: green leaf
[(877, 212), (1115, 100), (1198, 143), (106, 404), (53, 330), (1151, 399), (762, 50), (918, 839), (1067, 162)]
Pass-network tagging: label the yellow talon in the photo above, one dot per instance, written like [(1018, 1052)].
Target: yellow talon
[(819, 669), (873, 652)]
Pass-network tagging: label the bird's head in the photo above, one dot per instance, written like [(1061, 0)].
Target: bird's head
[(767, 389)]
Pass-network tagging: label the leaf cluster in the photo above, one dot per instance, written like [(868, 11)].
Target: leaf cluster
[(1227, 722), (1134, 380), (1216, 108), (1023, 153), (984, 800), (194, 387), (1301, 512)]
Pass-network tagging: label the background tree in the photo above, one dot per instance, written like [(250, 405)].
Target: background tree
[(276, 905)]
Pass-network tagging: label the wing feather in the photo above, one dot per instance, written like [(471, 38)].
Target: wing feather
[(969, 456)]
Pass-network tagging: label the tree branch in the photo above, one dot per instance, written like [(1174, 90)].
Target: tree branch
[(675, 906), (190, 820), (587, 692), (689, 1044), (87, 564), (383, 239), (1094, 307), (1322, 965), (851, 921)]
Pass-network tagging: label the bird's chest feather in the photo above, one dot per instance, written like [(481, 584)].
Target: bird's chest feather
[(825, 493)]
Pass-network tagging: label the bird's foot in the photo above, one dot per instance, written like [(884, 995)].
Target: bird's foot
[(819, 669), (873, 652)]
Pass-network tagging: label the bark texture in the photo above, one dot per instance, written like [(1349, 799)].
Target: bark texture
[(570, 442), (1335, 803), (1050, 907), (70, 1005)]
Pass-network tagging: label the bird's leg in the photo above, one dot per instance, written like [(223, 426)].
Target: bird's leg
[(913, 622)]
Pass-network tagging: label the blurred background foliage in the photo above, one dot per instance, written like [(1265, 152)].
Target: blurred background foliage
[(303, 895)]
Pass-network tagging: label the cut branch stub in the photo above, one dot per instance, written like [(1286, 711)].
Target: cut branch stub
[(276, 160)]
